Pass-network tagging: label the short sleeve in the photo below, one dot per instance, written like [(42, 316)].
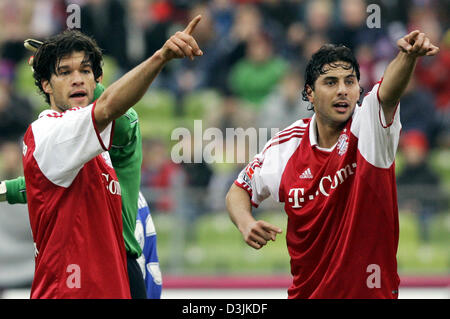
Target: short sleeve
[(250, 179), (64, 142), (377, 137), (261, 178)]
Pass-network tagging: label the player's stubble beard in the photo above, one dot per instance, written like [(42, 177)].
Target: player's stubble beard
[(62, 105), (335, 123)]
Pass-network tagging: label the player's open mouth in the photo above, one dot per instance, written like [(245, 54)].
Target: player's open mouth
[(78, 95), (341, 107)]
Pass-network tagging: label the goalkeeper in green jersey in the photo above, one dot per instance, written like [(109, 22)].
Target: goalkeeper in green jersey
[(126, 157)]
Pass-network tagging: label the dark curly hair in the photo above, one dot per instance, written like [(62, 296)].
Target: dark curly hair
[(328, 54), (57, 47)]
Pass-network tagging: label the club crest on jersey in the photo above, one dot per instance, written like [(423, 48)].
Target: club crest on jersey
[(342, 144)]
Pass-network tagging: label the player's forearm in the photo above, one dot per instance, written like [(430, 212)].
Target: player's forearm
[(239, 207), (396, 79), (127, 91)]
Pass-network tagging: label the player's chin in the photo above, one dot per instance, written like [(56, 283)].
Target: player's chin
[(79, 101)]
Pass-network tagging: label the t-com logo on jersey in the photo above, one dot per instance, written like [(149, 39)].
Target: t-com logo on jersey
[(111, 185), (326, 185)]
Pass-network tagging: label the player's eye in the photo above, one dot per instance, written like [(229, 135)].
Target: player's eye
[(64, 72)]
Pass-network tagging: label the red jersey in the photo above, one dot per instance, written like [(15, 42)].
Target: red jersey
[(74, 205), (341, 203)]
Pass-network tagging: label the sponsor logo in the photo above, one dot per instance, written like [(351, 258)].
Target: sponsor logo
[(327, 183), (112, 185), (306, 174)]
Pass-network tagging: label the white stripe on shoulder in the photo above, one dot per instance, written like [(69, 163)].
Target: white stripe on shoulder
[(298, 125), (296, 130)]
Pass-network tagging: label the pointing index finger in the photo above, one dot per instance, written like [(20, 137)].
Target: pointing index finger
[(269, 227), (191, 26)]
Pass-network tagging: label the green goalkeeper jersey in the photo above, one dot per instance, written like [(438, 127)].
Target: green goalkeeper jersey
[(126, 157)]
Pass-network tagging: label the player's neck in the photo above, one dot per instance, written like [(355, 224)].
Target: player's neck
[(327, 135)]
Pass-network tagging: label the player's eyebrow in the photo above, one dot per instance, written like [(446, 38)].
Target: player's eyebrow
[(334, 78), (86, 62), (83, 64), (328, 78), (61, 68)]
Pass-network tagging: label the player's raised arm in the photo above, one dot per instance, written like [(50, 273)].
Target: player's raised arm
[(256, 233), (130, 88), (399, 71)]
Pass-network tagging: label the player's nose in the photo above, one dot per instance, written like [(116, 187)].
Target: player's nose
[(77, 79), (342, 89)]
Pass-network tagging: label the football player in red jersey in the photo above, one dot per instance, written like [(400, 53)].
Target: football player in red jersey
[(335, 174), (74, 197)]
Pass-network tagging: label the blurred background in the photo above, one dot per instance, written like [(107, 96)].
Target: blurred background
[(250, 76)]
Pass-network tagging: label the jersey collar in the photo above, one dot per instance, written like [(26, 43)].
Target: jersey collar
[(313, 136)]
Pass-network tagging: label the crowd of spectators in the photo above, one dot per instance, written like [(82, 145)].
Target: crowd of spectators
[(255, 55)]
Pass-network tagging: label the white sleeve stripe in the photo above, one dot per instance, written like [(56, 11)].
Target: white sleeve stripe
[(289, 133), (244, 187), (278, 142), (290, 130)]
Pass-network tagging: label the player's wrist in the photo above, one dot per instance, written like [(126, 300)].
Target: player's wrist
[(2, 191)]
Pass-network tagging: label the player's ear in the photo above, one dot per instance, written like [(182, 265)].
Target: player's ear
[(99, 79), (310, 93), (46, 86), (361, 91)]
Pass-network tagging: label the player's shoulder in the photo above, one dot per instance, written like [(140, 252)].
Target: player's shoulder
[(292, 134), (52, 121), (49, 114), (296, 128), (132, 115)]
